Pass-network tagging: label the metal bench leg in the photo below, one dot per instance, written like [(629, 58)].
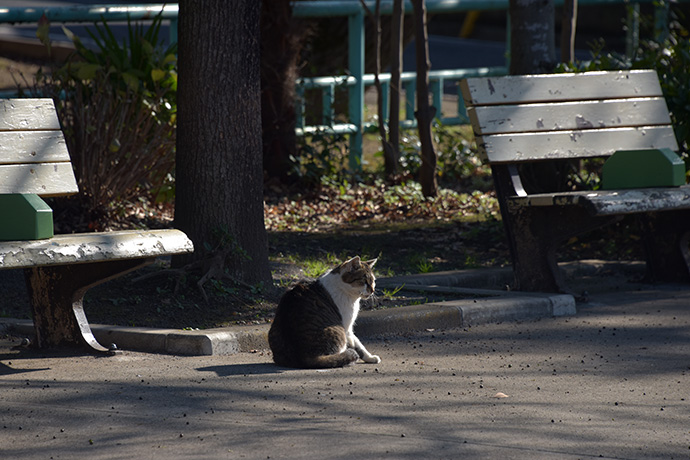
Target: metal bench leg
[(57, 297)]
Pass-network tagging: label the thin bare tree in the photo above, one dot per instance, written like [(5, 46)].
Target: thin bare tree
[(425, 112)]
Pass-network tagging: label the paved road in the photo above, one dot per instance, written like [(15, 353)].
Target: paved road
[(611, 382)]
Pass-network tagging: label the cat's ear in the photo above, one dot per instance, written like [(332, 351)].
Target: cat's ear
[(351, 264), (371, 262)]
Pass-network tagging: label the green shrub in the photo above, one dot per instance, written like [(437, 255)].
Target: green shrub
[(457, 160), (669, 56), (117, 107), (321, 158)]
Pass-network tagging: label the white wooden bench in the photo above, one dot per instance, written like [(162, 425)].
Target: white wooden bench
[(538, 119), (60, 269)]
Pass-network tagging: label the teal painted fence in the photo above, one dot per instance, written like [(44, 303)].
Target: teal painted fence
[(356, 82)]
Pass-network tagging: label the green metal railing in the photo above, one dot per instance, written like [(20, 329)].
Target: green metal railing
[(92, 14), (356, 81)]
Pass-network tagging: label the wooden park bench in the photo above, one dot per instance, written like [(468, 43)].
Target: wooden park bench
[(59, 269), (526, 126)]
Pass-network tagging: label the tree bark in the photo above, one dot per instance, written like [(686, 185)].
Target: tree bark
[(532, 37), (568, 26), (390, 160), (219, 177), (396, 51), (425, 113)]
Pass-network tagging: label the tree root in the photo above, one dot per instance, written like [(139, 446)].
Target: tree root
[(212, 267)]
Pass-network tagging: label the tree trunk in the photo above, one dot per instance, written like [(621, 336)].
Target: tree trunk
[(396, 37), (282, 38), (532, 37), (568, 26), (425, 113), (219, 178), (390, 160)]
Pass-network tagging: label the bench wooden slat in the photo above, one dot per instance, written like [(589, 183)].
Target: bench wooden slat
[(614, 202), (44, 179), (508, 148), (563, 116), (560, 87), (32, 147), (28, 114)]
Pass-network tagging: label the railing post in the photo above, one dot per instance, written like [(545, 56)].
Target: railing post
[(632, 36), (173, 31), (410, 90), (356, 105), (437, 96), (385, 89), (661, 29), (508, 36), (462, 110), (327, 99), (299, 122)]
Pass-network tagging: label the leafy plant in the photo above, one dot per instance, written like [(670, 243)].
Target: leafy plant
[(390, 293), (425, 266), (457, 158), (321, 158), (671, 59), (117, 107), (669, 55)]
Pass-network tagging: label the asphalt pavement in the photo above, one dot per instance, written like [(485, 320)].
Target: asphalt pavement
[(611, 381)]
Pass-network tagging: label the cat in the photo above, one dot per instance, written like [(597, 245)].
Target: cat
[(313, 324)]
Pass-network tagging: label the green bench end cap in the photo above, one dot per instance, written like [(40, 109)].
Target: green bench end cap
[(24, 216), (643, 168)]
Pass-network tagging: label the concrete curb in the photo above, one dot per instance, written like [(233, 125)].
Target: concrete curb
[(221, 341), (488, 306), (463, 313), (392, 321)]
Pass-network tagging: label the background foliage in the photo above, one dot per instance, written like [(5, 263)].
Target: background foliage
[(667, 53), (117, 107)]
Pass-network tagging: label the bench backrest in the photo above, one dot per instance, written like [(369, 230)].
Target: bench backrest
[(33, 152), (543, 117)]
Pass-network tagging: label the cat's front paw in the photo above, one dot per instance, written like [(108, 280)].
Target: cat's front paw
[(372, 359)]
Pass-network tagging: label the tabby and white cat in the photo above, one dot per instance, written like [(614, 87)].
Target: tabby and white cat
[(314, 320)]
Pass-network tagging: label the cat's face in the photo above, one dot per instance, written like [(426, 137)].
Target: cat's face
[(359, 275)]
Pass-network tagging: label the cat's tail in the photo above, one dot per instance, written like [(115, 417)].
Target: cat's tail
[(347, 357)]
